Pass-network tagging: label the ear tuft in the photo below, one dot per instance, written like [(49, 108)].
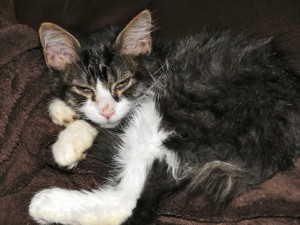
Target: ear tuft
[(60, 47), (135, 38)]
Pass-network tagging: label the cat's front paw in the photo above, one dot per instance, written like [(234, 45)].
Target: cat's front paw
[(75, 208), (72, 143), (37, 211), (50, 206), (61, 114)]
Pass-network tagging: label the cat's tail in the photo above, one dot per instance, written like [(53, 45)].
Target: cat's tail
[(219, 182)]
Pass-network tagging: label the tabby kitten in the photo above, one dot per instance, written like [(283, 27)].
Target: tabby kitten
[(213, 114)]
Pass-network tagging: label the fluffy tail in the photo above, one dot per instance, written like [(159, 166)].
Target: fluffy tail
[(219, 182)]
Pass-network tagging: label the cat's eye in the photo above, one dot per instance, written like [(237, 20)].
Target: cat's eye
[(123, 84), (85, 89)]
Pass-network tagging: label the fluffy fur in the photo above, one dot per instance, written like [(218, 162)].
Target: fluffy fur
[(212, 114)]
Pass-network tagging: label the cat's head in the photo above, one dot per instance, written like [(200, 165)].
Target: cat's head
[(101, 74)]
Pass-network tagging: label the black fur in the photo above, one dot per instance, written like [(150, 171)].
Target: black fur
[(233, 100)]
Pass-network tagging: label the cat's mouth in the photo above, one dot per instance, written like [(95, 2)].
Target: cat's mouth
[(104, 122)]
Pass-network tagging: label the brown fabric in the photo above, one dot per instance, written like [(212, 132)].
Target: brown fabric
[(26, 131), (172, 17), (78, 15), (7, 10), (23, 126), (255, 221)]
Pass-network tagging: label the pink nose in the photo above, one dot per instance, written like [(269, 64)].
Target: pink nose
[(107, 111), (107, 116)]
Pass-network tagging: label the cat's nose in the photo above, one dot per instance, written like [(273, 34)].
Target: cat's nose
[(107, 116), (107, 111)]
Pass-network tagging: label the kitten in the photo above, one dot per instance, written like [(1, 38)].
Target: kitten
[(213, 114)]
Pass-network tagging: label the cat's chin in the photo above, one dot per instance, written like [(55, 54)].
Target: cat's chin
[(109, 125)]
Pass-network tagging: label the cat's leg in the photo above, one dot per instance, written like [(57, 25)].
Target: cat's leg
[(73, 142), (160, 180), (61, 114), (110, 206), (142, 144)]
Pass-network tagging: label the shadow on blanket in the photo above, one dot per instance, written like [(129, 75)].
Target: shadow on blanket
[(26, 163)]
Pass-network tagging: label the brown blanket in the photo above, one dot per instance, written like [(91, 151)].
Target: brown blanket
[(26, 165)]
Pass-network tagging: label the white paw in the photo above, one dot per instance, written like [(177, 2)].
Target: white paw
[(75, 208), (51, 206), (41, 207), (61, 114), (73, 142)]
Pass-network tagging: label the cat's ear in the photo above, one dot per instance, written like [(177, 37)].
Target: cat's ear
[(60, 47), (135, 38)]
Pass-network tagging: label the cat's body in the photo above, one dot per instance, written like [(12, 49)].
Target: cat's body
[(213, 114)]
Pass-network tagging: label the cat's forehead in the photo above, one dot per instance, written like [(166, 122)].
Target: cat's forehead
[(123, 64), (107, 65), (95, 62), (97, 55), (102, 61)]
